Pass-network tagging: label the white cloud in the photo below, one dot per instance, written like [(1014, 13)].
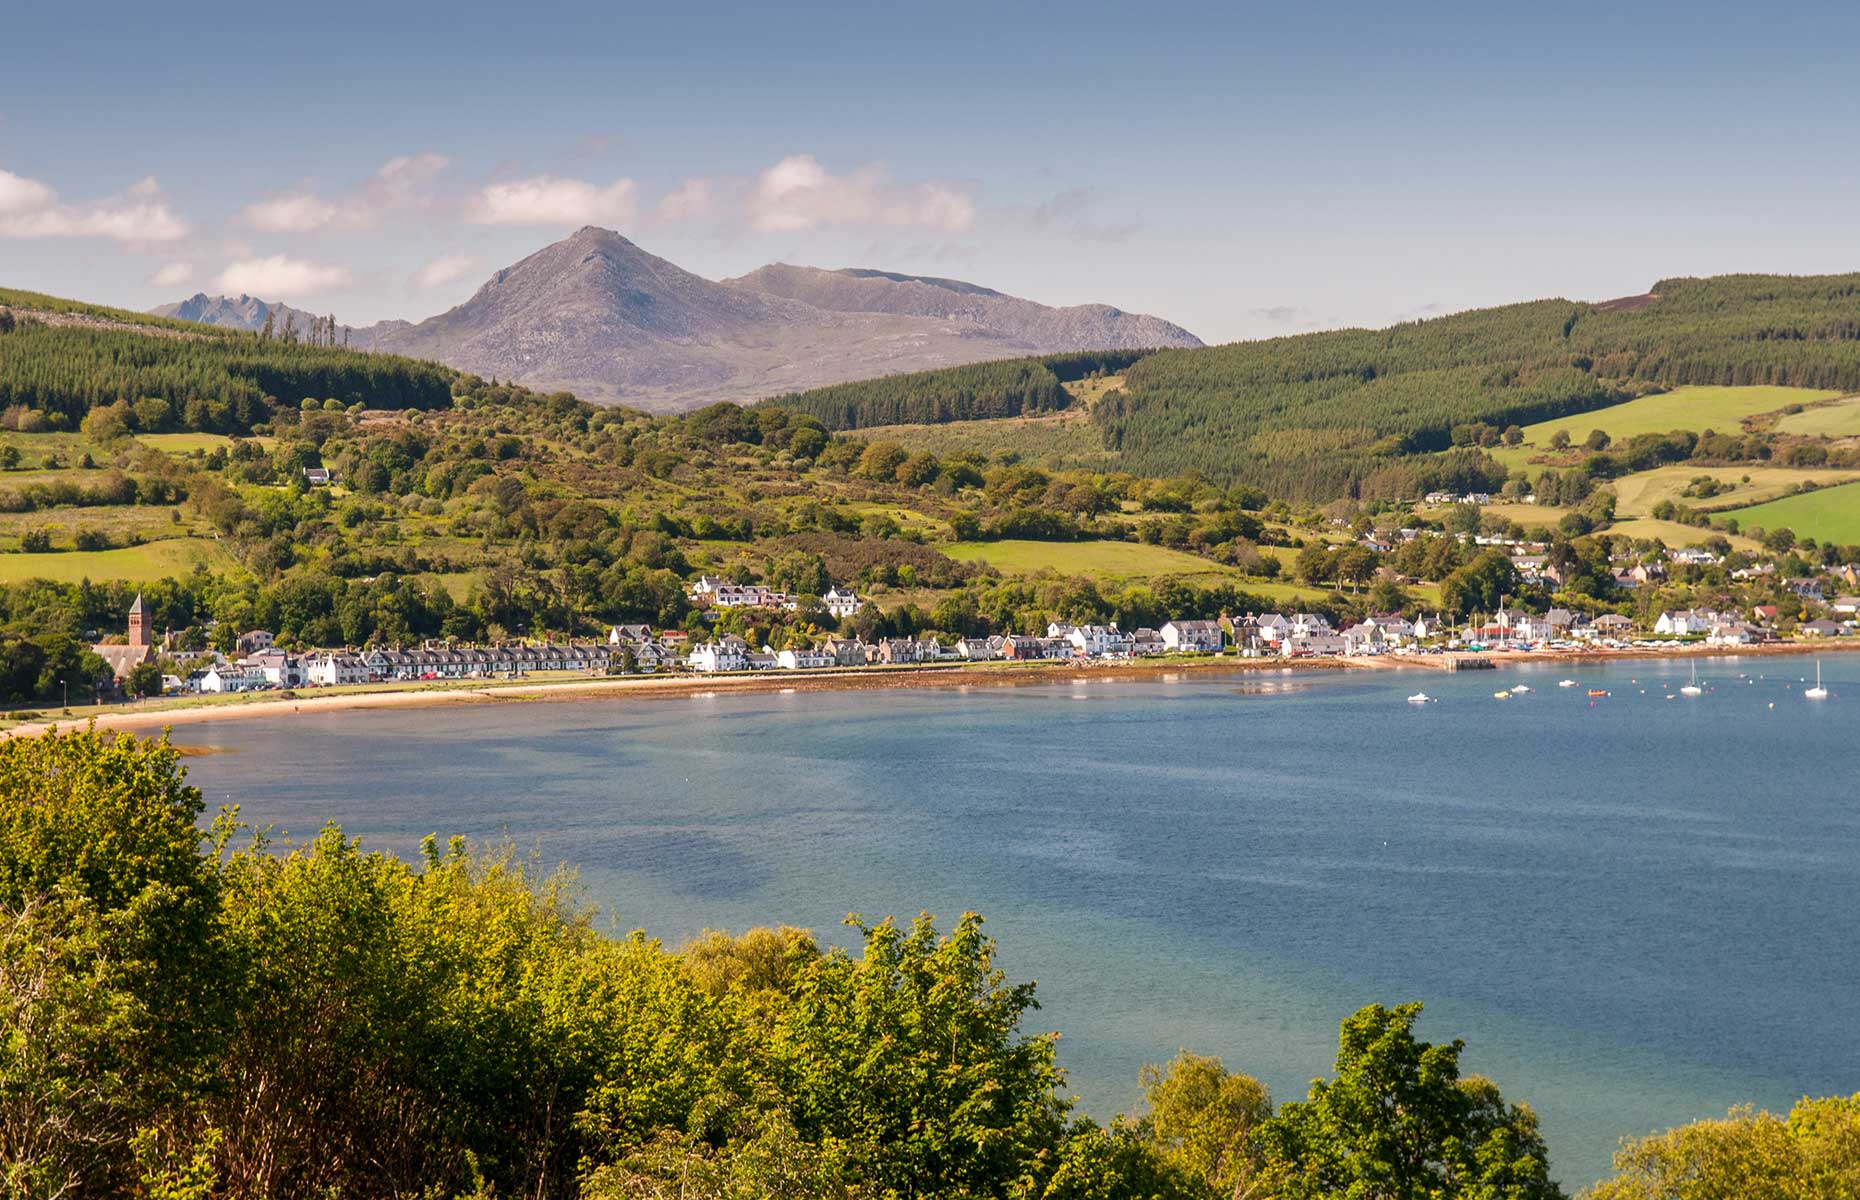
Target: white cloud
[(30, 209), (402, 183), (289, 212), (279, 276), (173, 274), (798, 193), (19, 194), (693, 200), (445, 269), (546, 200)]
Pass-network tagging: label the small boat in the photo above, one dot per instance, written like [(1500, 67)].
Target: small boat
[(1693, 688), (1817, 692), (1421, 698), (1598, 692), (1566, 683), (1522, 687), (1501, 695)]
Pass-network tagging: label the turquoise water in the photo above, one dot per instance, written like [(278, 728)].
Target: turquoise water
[(1636, 912)]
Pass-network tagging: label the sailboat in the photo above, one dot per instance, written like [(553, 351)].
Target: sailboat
[(1420, 698), (1693, 688), (1817, 692)]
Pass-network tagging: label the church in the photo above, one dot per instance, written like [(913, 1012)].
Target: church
[(125, 658)]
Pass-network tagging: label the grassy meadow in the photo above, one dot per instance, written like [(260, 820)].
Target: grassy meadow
[(1694, 408), (1675, 534), (1830, 514), (1637, 494), (135, 564), (1839, 419), (1122, 563)]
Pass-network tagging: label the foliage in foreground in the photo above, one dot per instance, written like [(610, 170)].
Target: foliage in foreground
[(182, 1018)]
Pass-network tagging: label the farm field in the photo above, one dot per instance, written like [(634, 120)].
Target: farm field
[(1694, 408), (1101, 560), (181, 443), (1637, 494), (135, 564), (1674, 534), (1829, 515), (1118, 562), (1840, 419), (121, 522)]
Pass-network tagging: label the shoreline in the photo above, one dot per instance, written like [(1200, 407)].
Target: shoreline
[(949, 675)]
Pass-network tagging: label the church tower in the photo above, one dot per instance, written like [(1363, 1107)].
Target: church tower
[(138, 623)]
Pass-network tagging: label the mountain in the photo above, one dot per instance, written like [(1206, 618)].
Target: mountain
[(246, 312), (1023, 323), (249, 313), (597, 315)]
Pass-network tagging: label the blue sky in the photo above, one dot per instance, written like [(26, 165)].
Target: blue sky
[(1244, 170)]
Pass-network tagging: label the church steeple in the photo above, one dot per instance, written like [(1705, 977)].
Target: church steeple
[(138, 623)]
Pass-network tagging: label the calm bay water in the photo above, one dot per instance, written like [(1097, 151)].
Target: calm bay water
[(1637, 912)]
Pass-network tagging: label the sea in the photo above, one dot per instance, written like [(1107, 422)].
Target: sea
[(1637, 909)]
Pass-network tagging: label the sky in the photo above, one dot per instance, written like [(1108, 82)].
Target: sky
[(1244, 170)]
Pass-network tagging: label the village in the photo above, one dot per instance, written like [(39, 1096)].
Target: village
[(257, 663)]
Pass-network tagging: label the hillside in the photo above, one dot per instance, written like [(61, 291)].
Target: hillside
[(597, 315), (61, 359), (1371, 411), (981, 391)]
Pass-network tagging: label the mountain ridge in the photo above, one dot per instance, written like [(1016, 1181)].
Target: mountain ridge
[(596, 314)]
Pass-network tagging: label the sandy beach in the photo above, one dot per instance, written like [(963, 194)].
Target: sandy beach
[(191, 710)]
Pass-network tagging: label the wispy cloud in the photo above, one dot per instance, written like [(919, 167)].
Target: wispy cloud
[(438, 272), (548, 200), (31, 209), (798, 193), (19, 194), (1071, 213), (173, 274), (1278, 314), (401, 184), (692, 200), (280, 276)]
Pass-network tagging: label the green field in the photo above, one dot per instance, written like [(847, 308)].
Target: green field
[(136, 564), (1100, 560), (1829, 515), (1695, 408), (1118, 563), (1840, 419), (123, 523), (181, 443), (1637, 494), (1674, 534)]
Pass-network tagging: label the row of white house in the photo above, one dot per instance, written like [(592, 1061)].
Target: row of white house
[(713, 592), (1060, 641)]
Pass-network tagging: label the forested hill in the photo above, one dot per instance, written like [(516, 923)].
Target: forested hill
[(1002, 388), (59, 359), (1328, 408), (1320, 414)]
